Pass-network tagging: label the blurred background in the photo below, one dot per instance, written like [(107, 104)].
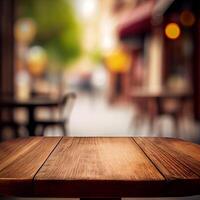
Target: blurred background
[(133, 64)]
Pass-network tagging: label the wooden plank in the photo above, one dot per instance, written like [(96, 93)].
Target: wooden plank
[(98, 167), (12, 149), (186, 152), (178, 168), (20, 160)]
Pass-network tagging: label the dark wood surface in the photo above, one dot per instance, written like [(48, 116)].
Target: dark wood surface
[(20, 160), (99, 167)]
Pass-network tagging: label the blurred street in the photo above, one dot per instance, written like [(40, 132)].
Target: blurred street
[(93, 116), (133, 66)]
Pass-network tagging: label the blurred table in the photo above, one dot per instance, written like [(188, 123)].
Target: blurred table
[(31, 105), (152, 102), (93, 167), (141, 94)]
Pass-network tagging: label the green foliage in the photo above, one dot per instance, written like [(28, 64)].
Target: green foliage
[(96, 55), (58, 30)]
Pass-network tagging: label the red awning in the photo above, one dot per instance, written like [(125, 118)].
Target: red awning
[(137, 21)]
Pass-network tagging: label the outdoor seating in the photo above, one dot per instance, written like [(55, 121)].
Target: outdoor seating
[(65, 107)]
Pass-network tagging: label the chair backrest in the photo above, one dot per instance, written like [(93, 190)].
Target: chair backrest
[(66, 105)]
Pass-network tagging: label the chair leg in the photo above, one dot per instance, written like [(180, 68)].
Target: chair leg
[(64, 129), (43, 130)]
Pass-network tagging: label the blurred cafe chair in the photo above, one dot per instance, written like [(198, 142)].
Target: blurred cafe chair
[(65, 108), (6, 118)]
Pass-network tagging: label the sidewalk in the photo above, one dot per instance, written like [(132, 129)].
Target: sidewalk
[(93, 116)]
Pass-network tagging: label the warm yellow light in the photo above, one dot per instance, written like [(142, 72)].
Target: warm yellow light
[(187, 18), (36, 60), (118, 61), (25, 30), (172, 31)]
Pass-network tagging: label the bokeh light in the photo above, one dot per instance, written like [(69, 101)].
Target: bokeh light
[(25, 30), (87, 8), (172, 31), (36, 60), (118, 61), (187, 18)]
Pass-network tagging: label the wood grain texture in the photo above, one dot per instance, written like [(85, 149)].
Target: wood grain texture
[(187, 153), (99, 167), (20, 160), (11, 150), (96, 166), (175, 164)]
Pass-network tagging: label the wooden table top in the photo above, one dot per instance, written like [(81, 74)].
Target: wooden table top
[(33, 102), (144, 93), (99, 167)]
